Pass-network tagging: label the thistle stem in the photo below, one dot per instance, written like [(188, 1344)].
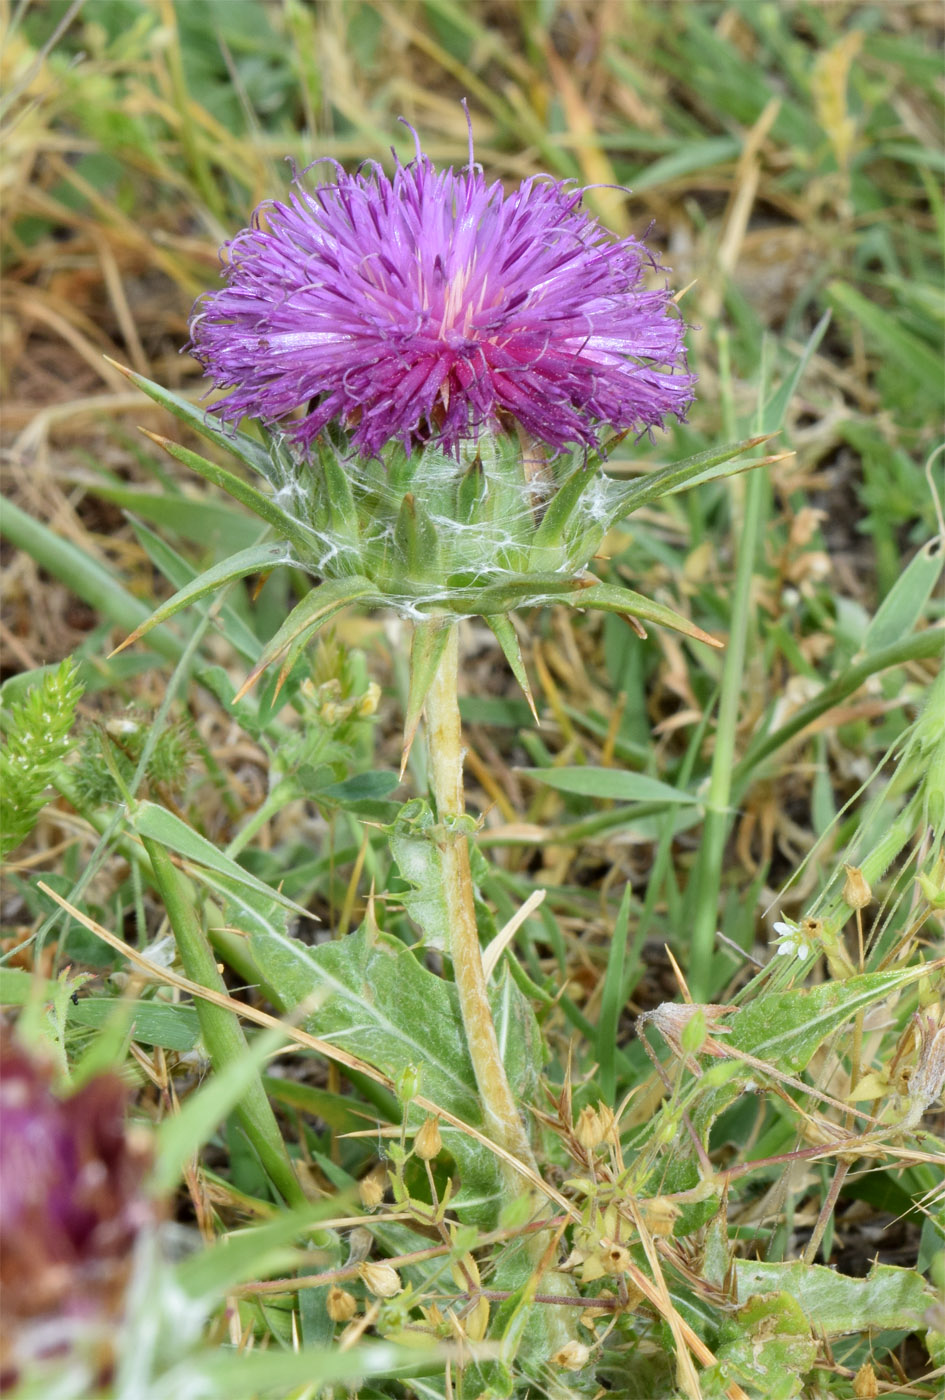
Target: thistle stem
[(444, 740)]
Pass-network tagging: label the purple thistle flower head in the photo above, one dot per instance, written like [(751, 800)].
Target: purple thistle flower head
[(431, 306), (72, 1204)]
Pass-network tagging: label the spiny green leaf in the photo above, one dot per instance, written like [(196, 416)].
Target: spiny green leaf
[(613, 598), (705, 466), (258, 559), (263, 506), (560, 508), (381, 1004), (767, 1345), (507, 638), (239, 445), (317, 607), (416, 543), (418, 859)]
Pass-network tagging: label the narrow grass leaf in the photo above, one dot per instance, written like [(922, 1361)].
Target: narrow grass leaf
[(921, 646), (243, 1375), (158, 824), (206, 522), (242, 1254), (610, 783), (221, 1030), (904, 606), (150, 1022), (92, 581), (772, 417), (611, 1002), (890, 337)]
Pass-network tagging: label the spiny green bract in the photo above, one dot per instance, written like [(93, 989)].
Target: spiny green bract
[(37, 738)]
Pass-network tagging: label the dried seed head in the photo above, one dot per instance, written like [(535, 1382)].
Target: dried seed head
[(428, 1143), (865, 1384), (573, 1356), (615, 1259), (592, 1267), (371, 1188), (607, 1120), (671, 1019), (380, 1279), (659, 1215), (589, 1130), (856, 892), (340, 1305), (928, 1078)]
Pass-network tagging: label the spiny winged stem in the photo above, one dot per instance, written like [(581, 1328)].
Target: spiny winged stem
[(444, 739)]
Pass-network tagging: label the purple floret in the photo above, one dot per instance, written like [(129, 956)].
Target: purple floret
[(431, 306)]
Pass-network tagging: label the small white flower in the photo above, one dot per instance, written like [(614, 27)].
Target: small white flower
[(790, 942)]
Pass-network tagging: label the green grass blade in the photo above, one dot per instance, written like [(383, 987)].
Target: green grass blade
[(89, 580), (612, 1003), (222, 1034)]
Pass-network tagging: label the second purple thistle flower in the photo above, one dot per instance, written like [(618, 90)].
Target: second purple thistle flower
[(431, 306)]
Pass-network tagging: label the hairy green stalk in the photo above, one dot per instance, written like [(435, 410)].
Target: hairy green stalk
[(444, 741)]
